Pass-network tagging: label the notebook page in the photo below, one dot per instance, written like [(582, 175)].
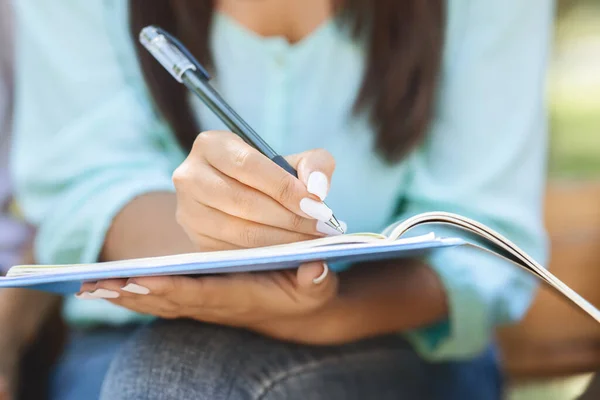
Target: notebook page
[(503, 247), (346, 242), (209, 256)]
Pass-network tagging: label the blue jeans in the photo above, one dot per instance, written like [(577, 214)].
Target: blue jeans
[(183, 359), (81, 369)]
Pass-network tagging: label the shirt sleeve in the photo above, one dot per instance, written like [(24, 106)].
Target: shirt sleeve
[(485, 159), (86, 141)]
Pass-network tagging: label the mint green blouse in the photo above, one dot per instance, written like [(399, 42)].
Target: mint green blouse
[(87, 139)]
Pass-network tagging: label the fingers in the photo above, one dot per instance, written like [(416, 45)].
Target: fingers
[(127, 293), (138, 298), (312, 286), (224, 176), (315, 169), (241, 300), (168, 296), (207, 244), (108, 289), (317, 282), (234, 231), (214, 189), (205, 291), (245, 164)]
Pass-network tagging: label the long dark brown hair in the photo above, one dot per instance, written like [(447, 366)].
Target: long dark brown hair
[(404, 44)]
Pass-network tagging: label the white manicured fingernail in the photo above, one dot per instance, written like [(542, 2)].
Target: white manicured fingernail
[(319, 279), (318, 184), (326, 229), (85, 296), (315, 209), (136, 289), (344, 226), (104, 294)]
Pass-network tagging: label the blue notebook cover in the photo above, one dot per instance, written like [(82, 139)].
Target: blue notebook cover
[(68, 279)]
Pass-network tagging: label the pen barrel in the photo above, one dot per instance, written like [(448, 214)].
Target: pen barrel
[(221, 109), (187, 70), (279, 160)]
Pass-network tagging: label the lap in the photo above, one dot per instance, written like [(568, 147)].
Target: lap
[(80, 371), (186, 359)]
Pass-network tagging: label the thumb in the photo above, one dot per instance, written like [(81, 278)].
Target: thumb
[(315, 169), (317, 282)]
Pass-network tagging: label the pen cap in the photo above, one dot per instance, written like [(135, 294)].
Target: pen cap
[(166, 52)]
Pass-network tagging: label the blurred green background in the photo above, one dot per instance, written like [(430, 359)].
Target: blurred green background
[(574, 92)]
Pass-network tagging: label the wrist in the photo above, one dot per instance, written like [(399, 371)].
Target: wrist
[(382, 299), (332, 324)]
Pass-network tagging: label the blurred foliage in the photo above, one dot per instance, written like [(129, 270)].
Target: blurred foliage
[(574, 91)]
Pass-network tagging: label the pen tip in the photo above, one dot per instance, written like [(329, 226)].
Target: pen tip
[(336, 225)]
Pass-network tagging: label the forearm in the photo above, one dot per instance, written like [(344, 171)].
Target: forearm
[(22, 312), (146, 227), (390, 297), (24, 315)]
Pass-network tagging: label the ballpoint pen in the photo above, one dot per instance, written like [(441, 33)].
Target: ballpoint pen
[(184, 67)]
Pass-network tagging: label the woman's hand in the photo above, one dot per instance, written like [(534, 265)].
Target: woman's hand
[(304, 306), (249, 300), (231, 196)]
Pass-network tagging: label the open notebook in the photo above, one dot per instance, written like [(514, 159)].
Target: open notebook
[(346, 248)]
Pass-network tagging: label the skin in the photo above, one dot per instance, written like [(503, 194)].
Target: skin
[(230, 196), (23, 311)]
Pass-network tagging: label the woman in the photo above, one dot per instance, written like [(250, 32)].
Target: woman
[(420, 105)]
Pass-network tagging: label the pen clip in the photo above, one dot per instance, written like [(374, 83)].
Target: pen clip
[(170, 52)]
